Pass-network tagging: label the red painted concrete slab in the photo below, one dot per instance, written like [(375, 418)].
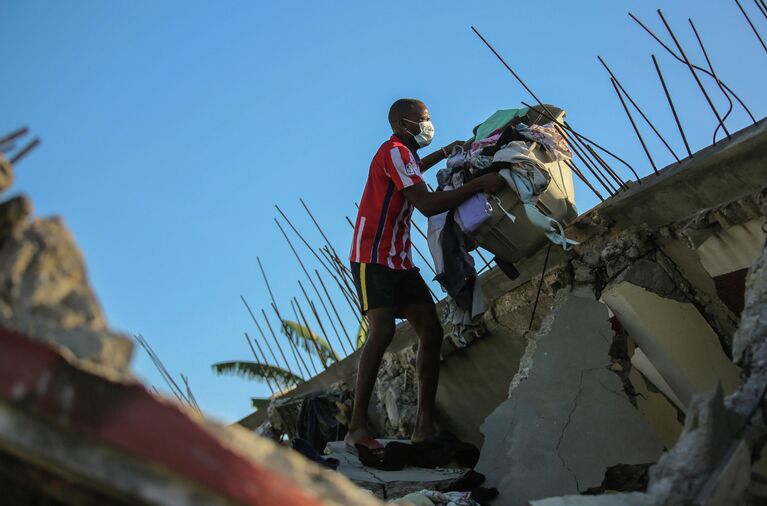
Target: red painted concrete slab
[(126, 416)]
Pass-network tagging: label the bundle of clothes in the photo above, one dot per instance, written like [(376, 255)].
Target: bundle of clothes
[(503, 144)]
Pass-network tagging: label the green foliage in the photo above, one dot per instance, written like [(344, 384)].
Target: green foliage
[(256, 370), (259, 402), (306, 339)]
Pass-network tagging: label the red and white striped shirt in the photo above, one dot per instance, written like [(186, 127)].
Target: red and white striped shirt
[(382, 231)]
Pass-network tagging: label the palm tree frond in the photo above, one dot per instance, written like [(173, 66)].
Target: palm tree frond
[(259, 402), (256, 371), (307, 339)]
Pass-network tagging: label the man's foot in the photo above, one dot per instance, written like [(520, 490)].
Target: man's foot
[(363, 437)]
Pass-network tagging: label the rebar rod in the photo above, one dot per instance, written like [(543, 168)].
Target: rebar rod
[(333, 306), (290, 345), (762, 6), (313, 307), (300, 236), (583, 138), (718, 82), (311, 334), (701, 69), (605, 184), (639, 110), (633, 124), (301, 263), (692, 71), (540, 285), (266, 363), (573, 143), (19, 132), (583, 179), (316, 224), (266, 341), (339, 278), (298, 322), (753, 28), (348, 289), (671, 105), (319, 322), (590, 164), (551, 116), (190, 394), (289, 336), (258, 361), (351, 301), (266, 281), (327, 313), (169, 381), (25, 150), (621, 183)]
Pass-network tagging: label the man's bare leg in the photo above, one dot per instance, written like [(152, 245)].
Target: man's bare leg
[(381, 321), (423, 318)]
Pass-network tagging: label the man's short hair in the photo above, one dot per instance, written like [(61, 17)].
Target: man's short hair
[(401, 108)]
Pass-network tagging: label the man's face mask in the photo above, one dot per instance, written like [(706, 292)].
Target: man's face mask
[(426, 134)]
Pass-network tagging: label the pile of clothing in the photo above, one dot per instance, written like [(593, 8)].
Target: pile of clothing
[(503, 144)]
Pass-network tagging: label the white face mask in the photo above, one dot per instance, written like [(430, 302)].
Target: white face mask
[(424, 137)]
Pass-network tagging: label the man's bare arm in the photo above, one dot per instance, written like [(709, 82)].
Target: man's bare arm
[(431, 203), (433, 159)]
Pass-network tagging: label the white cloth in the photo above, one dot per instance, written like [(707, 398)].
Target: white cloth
[(461, 320)]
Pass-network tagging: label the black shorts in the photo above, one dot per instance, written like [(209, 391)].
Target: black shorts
[(379, 286)]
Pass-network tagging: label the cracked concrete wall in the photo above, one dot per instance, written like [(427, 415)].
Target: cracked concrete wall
[(568, 417)]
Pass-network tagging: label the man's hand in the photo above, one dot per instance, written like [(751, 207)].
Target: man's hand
[(491, 183), (448, 150)]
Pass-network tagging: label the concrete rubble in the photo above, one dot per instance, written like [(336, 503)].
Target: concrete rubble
[(639, 379), (44, 291), (77, 428)]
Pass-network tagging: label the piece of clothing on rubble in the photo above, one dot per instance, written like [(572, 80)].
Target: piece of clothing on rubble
[(304, 448), (317, 422), (457, 276), (430, 454), (436, 498), (549, 137), (498, 120), (525, 174)]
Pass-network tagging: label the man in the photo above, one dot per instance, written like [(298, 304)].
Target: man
[(388, 284)]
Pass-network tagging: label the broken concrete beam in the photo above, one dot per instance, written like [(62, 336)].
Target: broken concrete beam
[(659, 412), (569, 419), (387, 484), (674, 336)]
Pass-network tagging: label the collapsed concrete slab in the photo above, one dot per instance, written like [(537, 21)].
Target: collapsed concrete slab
[(388, 484), (66, 430), (569, 419)]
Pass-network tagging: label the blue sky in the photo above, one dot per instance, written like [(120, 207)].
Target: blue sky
[(170, 129)]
